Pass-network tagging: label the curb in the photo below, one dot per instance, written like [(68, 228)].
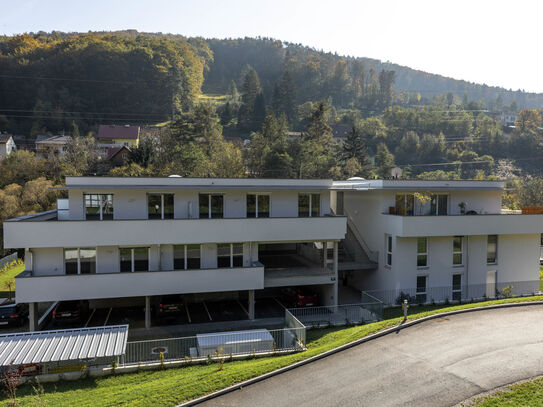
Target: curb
[(350, 345)]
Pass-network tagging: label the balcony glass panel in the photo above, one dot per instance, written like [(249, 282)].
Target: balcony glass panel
[(70, 261), (141, 259), (126, 260), (154, 203), (168, 206), (87, 259)]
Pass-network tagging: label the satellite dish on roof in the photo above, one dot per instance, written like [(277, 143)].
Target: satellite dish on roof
[(396, 172), (356, 179), (174, 176)]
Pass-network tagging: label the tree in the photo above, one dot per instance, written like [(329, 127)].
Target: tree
[(81, 156), (528, 121), (355, 147), (284, 96), (530, 192), (20, 167), (251, 92), (384, 161)]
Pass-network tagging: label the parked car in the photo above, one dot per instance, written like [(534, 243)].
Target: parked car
[(69, 311), (13, 314), (300, 297), (170, 305)]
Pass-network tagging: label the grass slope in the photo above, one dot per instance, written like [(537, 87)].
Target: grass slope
[(6, 276), (173, 386), (524, 394)]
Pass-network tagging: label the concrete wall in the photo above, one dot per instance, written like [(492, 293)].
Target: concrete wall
[(48, 261)]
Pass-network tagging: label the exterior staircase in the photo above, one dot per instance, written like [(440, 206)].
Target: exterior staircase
[(354, 253)]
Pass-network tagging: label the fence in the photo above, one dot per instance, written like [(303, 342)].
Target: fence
[(292, 322), (7, 259), (339, 314), (457, 293), (256, 342)]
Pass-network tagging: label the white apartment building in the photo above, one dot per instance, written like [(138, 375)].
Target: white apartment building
[(438, 240), (118, 240)]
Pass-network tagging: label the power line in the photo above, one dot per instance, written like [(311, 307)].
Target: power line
[(65, 112), (51, 78)]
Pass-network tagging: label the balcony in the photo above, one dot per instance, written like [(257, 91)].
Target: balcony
[(462, 225), (116, 285), (36, 233)]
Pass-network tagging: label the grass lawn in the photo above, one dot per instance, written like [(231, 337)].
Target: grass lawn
[(173, 386), (6, 276), (524, 394), (540, 277)]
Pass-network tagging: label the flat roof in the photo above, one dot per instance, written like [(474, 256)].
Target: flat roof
[(62, 345), (418, 185), (194, 183)]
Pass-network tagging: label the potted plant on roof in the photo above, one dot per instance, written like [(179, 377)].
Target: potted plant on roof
[(462, 206)]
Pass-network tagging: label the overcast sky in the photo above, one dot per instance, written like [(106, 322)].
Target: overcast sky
[(493, 42)]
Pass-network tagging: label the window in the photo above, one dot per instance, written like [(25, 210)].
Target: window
[(258, 206), (457, 287), (160, 206), (186, 257), (230, 255), (421, 289), (405, 204), (211, 206), (98, 206), (439, 205), (458, 250), (134, 259), (422, 252), (388, 243), (80, 261), (492, 249), (309, 205)]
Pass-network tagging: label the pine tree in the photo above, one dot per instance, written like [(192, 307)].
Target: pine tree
[(355, 147), (384, 161), (251, 92)]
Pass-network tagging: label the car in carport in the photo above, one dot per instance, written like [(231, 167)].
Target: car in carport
[(13, 314), (300, 297), (70, 312), (170, 306)]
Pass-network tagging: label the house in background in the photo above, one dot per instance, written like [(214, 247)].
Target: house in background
[(340, 132), (7, 145), (117, 136), (118, 156), (47, 147)]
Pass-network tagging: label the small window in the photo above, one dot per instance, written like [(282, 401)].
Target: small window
[(388, 242), (186, 257), (98, 206), (134, 259), (211, 206), (229, 255), (309, 205), (422, 289), (422, 252), (160, 206), (258, 206), (492, 249), (80, 261), (439, 204), (457, 287), (458, 250)]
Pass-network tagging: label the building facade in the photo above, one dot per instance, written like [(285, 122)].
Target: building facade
[(439, 240), (134, 239)]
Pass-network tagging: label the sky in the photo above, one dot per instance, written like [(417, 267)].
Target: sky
[(493, 42)]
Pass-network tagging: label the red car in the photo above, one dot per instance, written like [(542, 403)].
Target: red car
[(300, 297)]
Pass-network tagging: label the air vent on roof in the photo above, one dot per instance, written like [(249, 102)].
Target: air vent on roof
[(356, 179), (174, 176)]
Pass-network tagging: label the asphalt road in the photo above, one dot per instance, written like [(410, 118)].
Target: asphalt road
[(437, 363)]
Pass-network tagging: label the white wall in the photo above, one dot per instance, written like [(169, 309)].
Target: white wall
[(48, 261)]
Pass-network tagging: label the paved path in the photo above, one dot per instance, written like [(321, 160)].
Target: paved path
[(437, 363)]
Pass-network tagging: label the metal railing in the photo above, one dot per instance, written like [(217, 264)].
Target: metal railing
[(337, 315), (461, 293), (255, 342), (294, 323), (8, 259)]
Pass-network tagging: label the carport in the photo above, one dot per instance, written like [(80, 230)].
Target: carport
[(42, 351)]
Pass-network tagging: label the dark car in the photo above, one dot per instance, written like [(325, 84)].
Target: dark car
[(13, 314), (300, 297), (170, 305), (69, 311)]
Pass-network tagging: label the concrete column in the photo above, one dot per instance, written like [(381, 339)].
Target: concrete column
[(33, 316), (335, 269), (324, 255), (147, 312), (251, 304)]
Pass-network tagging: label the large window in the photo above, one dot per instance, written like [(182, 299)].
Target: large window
[(422, 282), (134, 259), (405, 204), (457, 287), (492, 249), (229, 255), (186, 256), (258, 206), (388, 243), (80, 261), (160, 206), (309, 205), (439, 205), (422, 252), (211, 205), (458, 250), (98, 206)]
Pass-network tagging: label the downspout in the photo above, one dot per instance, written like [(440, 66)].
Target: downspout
[(467, 267)]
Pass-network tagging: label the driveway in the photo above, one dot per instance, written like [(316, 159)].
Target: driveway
[(437, 363)]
